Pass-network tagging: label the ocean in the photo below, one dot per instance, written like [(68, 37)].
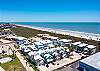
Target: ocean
[(88, 27)]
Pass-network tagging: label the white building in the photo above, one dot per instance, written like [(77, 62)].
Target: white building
[(24, 48), (91, 63), (46, 42), (21, 40), (37, 59), (64, 42), (33, 47), (39, 45), (80, 47), (48, 57), (76, 43), (90, 49), (53, 39)]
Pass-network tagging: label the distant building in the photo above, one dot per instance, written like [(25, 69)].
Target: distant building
[(7, 25), (91, 63)]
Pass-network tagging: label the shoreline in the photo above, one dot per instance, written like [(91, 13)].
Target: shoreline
[(78, 34)]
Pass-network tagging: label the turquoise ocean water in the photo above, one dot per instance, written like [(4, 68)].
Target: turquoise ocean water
[(88, 27)]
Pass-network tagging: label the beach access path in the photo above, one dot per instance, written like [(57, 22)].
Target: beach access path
[(23, 61)]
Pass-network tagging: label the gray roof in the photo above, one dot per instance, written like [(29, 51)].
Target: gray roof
[(93, 60)]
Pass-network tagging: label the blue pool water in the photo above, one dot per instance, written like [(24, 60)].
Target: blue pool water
[(89, 27)]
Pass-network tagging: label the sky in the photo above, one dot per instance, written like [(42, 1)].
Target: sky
[(50, 10)]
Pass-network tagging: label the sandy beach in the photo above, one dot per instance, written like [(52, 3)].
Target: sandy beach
[(91, 36)]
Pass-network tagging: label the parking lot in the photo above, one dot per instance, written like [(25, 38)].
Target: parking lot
[(72, 67)]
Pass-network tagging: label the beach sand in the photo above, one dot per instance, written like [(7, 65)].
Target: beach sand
[(91, 36)]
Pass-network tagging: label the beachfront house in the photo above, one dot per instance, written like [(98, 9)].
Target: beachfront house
[(80, 47), (67, 51), (74, 45), (53, 39), (24, 49), (46, 42), (63, 53), (44, 57), (65, 42), (34, 39), (32, 47), (37, 59), (91, 63), (90, 49), (56, 56), (53, 52), (60, 52), (39, 45), (48, 58), (21, 40), (47, 55), (43, 36), (51, 45)]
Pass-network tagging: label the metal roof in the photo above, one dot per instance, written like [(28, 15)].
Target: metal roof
[(76, 43), (93, 60)]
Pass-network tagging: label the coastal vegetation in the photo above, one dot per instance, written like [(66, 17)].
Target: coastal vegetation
[(29, 32)]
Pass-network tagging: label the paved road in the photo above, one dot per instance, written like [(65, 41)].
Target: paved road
[(23, 61), (72, 67), (21, 58)]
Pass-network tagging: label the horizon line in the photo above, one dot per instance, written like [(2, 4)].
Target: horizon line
[(51, 21)]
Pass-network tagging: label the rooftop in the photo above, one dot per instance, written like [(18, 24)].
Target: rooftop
[(65, 40), (52, 37), (38, 43), (21, 38), (38, 57), (5, 41), (45, 41), (93, 60), (76, 43), (91, 46), (82, 45)]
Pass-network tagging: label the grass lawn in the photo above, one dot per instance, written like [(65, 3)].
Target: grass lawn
[(14, 65)]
